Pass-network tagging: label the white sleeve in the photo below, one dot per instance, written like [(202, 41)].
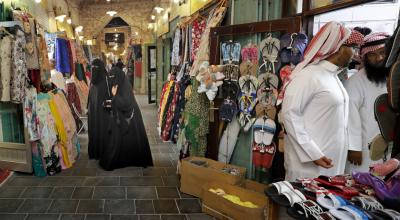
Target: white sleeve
[(354, 123), (298, 94)]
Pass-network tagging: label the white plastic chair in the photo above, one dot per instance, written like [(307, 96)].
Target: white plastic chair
[(82, 118)]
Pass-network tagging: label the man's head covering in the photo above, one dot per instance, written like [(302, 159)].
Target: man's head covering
[(356, 39), (373, 42)]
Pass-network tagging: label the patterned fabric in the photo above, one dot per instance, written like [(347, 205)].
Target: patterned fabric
[(171, 113), (38, 163), (73, 99), (180, 106), (19, 74), (167, 106), (6, 45), (83, 92), (44, 59), (250, 53), (48, 137), (63, 64), (373, 42), (356, 38), (32, 58), (35, 79), (175, 55), (163, 100), (67, 157), (197, 31), (31, 120)]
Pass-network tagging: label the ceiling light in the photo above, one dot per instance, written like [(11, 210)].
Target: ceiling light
[(108, 0), (80, 37), (69, 21), (150, 26), (153, 17), (89, 42), (158, 9), (136, 33), (115, 29), (79, 28), (176, 1), (165, 17), (61, 18), (38, 1), (116, 35), (111, 13)]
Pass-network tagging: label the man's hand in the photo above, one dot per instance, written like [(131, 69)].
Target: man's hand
[(355, 157), (114, 90), (324, 162)]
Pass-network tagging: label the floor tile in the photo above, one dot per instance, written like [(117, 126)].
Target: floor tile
[(97, 217), (124, 217), (83, 193), (91, 206), (63, 181), (141, 181), (63, 206), (37, 192), (199, 217), (165, 206), (173, 217), (167, 192), (105, 192), (62, 192), (12, 216), (11, 192), (24, 181), (144, 207), (154, 171), (43, 217), (170, 171), (149, 217), (171, 181), (119, 206), (10, 205), (129, 171), (85, 172), (101, 181), (35, 206), (92, 164), (141, 193), (189, 205), (72, 217), (186, 196)]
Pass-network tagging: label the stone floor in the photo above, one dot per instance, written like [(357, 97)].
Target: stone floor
[(88, 192)]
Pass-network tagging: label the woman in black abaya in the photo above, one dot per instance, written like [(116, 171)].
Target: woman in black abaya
[(98, 118), (127, 143)]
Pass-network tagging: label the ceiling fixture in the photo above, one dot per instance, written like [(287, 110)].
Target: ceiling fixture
[(80, 37), (69, 21), (108, 0), (153, 17), (79, 28), (116, 35), (61, 18), (150, 26), (158, 9), (111, 12), (38, 1), (136, 33)]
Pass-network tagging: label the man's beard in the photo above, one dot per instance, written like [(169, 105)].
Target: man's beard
[(376, 73)]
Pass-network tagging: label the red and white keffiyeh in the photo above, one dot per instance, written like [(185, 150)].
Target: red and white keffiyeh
[(373, 42)]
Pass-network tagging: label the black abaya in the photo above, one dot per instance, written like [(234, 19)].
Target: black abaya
[(98, 118), (127, 144)]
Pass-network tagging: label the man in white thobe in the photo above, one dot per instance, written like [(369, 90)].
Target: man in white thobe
[(363, 89), (315, 106)]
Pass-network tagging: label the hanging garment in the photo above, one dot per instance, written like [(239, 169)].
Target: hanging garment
[(62, 57), (167, 106), (180, 107), (19, 75), (80, 72), (315, 117), (362, 124), (32, 57), (35, 79), (228, 141), (83, 92), (127, 144), (138, 69), (38, 163), (98, 118), (48, 136), (166, 132), (197, 31), (163, 101), (70, 55), (58, 79), (73, 99), (51, 39), (6, 45), (175, 55), (67, 157), (203, 54), (31, 120), (44, 59), (230, 52)]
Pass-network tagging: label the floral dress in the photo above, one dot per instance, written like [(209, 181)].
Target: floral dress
[(5, 67), (19, 75)]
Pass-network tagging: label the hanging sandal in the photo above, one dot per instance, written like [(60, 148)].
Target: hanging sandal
[(349, 212)]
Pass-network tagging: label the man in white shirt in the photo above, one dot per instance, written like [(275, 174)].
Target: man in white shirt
[(57, 78), (315, 105), (363, 89)]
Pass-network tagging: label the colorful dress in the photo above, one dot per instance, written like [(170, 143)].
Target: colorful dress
[(19, 75), (5, 67)]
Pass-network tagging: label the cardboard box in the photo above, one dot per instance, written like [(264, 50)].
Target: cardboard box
[(193, 176), (222, 208)]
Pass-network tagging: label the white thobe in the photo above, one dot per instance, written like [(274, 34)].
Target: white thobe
[(57, 79), (315, 114), (362, 124)]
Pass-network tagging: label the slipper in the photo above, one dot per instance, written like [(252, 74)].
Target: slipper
[(227, 110), (276, 189), (256, 155), (385, 116), (262, 110), (368, 203), (348, 212), (267, 91), (330, 201), (269, 48), (377, 148), (289, 198), (230, 90), (248, 84), (343, 191), (385, 214), (250, 122), (308, 210), (248, 68), (230, 52), (231, 72), (393, 85)]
